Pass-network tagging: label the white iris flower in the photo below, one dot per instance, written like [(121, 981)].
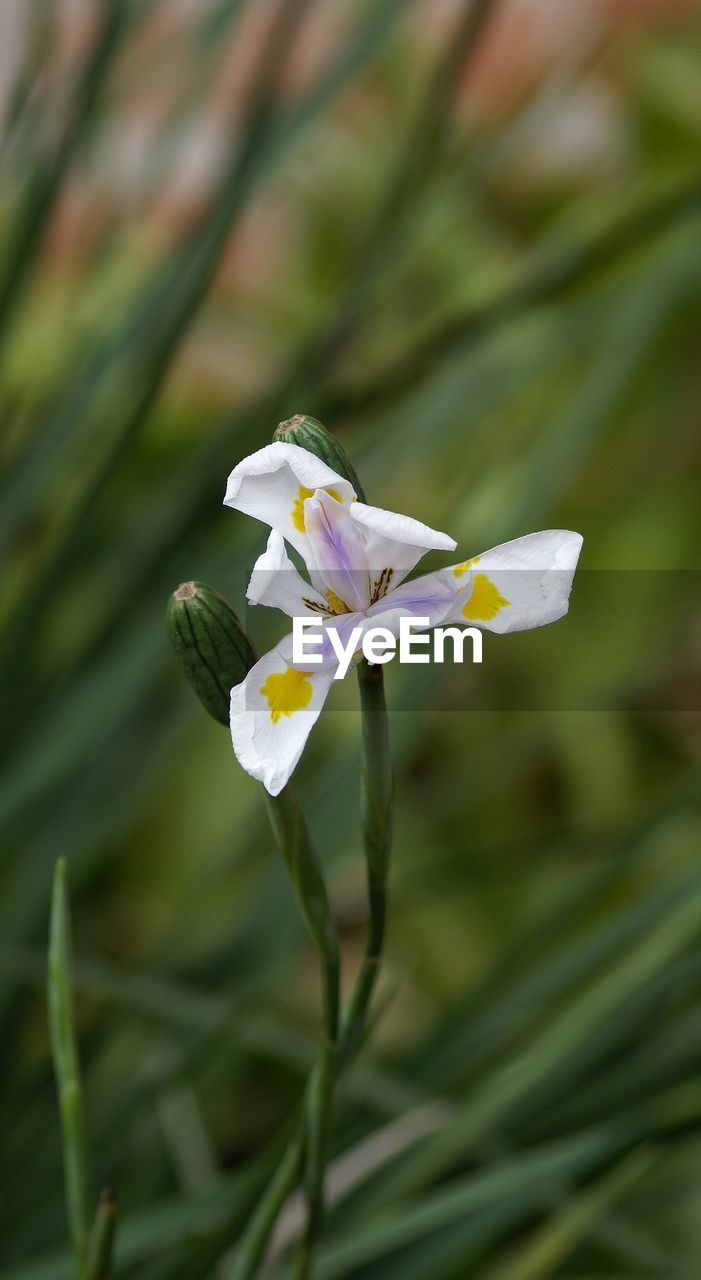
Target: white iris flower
[(357, 558)]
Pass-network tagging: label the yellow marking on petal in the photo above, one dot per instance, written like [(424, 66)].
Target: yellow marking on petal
[(298, 509), (485, 601), (336, 605), (460, 569), (287, 692)]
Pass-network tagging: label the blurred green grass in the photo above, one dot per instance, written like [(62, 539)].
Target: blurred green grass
[(504, 341)]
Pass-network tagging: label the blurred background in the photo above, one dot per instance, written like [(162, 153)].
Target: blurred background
[(467, 236)]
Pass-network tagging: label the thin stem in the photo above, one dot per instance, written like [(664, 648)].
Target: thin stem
[(294, 842), (66, 1067), (377, 791), (311, 1139), (255, 1238), (309, 1147), (98, 1263), (355, 1014), (377, 802), (377, 808), (317, 1124)]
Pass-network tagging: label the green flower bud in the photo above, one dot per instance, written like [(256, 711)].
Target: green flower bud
[(212, 646), (312, 436)]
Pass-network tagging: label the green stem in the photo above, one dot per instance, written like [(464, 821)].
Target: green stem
[(310, 1143), (354, 1022), (377, 807), (294, 842), (255, 1238), (66, 1067), (317, 1123), (295, 845), (98, 1263)]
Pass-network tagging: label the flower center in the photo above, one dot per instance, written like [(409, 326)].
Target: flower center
[(336, 605), (298, 506)]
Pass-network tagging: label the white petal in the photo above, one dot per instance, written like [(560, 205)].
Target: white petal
[(336, 551), (518, 585), (272, 713), (272, 484), (395, 543), (276, 582)]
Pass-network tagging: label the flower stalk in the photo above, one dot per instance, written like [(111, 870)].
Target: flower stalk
[(66, 1067), (377, 811), (98, 1265), (254, 1241), (294, 843), (308, 1149)]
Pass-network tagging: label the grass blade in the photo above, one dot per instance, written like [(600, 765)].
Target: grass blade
[(564, 1042), (552, 1243)]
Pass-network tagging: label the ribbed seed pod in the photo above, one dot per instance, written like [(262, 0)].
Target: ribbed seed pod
[(212, 646), (313, 436)]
